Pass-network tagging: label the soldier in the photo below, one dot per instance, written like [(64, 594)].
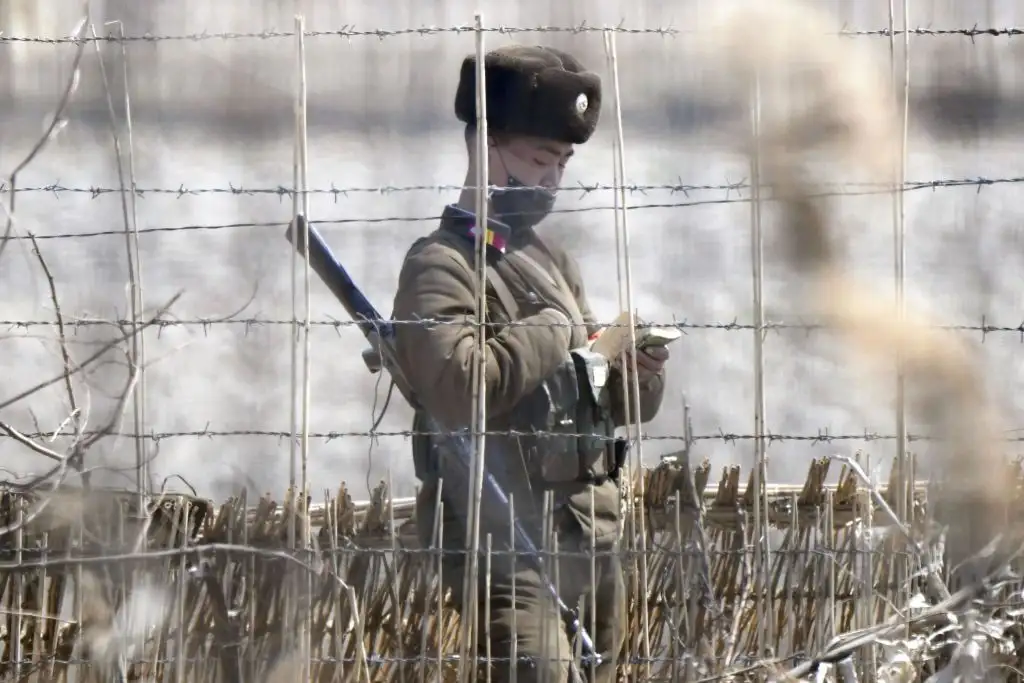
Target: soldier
[(540, 103)]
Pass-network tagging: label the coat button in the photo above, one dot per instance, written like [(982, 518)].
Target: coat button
[(532, 297)]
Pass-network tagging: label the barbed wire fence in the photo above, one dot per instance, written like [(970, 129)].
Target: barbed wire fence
[(765, 640)]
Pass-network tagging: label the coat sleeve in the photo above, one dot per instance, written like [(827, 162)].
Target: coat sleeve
[(651, 392), (438, 286)]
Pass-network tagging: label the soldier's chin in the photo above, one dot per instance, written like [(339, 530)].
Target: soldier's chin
[(527, 220)]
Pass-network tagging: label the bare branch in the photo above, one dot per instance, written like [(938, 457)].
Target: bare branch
[(62, 337), (56, 124), (44, 501), (31, 444), (91, 359)]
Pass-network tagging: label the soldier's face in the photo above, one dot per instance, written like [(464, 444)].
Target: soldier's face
[(530, 160)]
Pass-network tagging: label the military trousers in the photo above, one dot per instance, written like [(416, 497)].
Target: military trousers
[(519, 626)]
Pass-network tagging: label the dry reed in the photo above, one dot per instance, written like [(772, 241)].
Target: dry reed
[(231, 586), (824, 101)]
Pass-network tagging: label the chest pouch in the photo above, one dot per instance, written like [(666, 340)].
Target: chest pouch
[(572, 436)]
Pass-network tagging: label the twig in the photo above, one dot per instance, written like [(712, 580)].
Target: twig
[(708, 593), (630, 374), (78, 463), (743, 596), (91, 359), (31, 444), (94, 436), (62, 336), (891, 626), (935, 584), (119, 409), (25, 519), (170, 318), (144, 483), (136, 358), (56, 124)]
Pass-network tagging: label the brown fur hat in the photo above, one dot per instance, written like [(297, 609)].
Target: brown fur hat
[(533, 90)]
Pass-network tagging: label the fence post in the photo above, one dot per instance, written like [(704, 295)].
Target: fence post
[(298, 514), (638, 535), (762, 546), (479, 407), (903, 508)]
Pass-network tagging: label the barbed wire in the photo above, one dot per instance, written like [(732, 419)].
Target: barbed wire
[(984, 328), (95, 192), (824, 436), (349, 32), (979, 182)]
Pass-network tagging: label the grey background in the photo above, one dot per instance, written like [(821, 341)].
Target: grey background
[(214, 113)]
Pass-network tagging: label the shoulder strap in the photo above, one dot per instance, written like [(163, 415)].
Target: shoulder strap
[(494, 279), (504, 294), (554, 265), (555, 277)]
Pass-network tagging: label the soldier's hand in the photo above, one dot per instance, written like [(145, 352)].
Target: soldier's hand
[(650, 362)]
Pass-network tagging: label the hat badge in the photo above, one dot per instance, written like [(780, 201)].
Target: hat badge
[(581, 104)]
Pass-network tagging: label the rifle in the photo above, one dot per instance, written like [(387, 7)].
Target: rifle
[(380, 333)]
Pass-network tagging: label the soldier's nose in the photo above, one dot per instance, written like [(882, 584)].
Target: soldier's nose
[(550, 180)]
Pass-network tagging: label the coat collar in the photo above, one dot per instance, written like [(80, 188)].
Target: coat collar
[(500, 236)]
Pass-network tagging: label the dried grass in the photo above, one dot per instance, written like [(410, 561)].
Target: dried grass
[(233, 597)]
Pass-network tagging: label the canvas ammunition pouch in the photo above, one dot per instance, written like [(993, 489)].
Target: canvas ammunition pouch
[(564, 427), (569, 433)]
